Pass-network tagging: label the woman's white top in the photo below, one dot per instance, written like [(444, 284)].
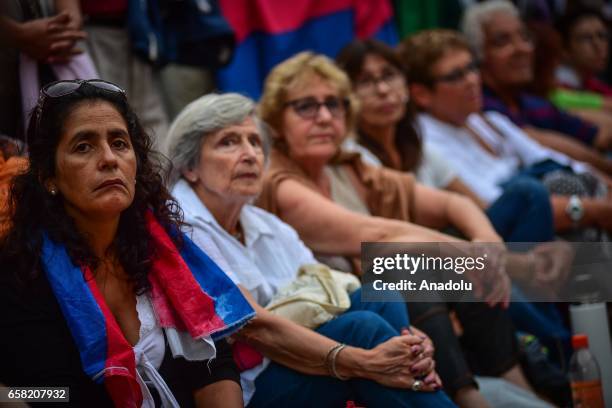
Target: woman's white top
[(481, 170), (269, 259), (433, 170), (151, 347), (149, 353)]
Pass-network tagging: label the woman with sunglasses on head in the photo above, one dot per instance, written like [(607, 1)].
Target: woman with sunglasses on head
[(95, 273)]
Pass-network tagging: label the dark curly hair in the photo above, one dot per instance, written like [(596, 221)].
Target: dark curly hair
[(407, 141), (34, 211)]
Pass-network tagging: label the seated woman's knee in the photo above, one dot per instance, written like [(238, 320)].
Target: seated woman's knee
[(528, 187), (363, 328)]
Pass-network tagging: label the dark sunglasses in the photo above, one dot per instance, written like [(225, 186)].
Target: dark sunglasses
[(59, 89), (458, 74), (308, 108)]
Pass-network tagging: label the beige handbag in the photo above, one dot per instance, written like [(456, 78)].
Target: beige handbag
[(316, 296)]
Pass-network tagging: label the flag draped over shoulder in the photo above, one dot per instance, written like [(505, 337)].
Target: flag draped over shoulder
[(190, 293)]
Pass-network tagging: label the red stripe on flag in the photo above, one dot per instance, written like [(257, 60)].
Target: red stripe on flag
[(277, 16), (120, 374), (197, 312), (370, 16)]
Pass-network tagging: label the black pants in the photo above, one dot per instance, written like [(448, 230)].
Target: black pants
[(487, 347)]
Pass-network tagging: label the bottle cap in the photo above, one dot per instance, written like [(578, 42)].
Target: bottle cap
[(580, 341)]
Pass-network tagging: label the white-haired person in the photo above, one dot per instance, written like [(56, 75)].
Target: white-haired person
[(369, 354), (504, 51)]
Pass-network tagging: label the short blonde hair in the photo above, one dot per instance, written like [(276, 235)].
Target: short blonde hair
[(296, 71)]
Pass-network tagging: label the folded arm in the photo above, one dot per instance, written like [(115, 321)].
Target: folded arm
[(329, 228), (438, 209)]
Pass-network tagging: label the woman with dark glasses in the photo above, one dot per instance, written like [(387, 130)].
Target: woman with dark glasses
[(96, 275)]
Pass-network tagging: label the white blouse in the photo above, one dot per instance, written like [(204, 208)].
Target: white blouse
[(149, 352), (480, 170), (269, 259)]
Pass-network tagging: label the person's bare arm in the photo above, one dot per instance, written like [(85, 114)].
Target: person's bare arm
[(305, 350), (47, 39), (603, 139), (597, 213), (572, 148), (458, 186), (73, 8), (328, 228), (438, 209), (220, 394)]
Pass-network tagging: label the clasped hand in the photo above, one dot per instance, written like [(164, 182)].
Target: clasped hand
[(402, 359)]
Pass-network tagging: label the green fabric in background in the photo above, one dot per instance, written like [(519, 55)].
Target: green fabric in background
[(568, 99), (412, 16), (415, 15)]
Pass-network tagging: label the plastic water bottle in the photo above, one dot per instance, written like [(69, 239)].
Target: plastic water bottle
[(584, 375)]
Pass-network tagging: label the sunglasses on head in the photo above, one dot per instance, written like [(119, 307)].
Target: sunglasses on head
[(63, 88)]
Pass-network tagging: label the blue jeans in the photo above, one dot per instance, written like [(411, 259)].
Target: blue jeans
[(542, 320), (364, 325), (523, 212)]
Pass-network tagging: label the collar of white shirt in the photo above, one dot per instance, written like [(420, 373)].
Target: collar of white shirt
[(195, 210)]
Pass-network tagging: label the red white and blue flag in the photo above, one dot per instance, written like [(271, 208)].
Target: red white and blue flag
[(270, 31), (189, 293)]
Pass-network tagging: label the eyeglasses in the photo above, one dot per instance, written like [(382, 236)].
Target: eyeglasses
[(457, 75), (59, 89), (602, 36), (308, 108), (368, 85)]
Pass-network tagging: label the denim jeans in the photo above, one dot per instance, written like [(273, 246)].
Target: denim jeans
[(364, 325), (542, 320), (523, 212)]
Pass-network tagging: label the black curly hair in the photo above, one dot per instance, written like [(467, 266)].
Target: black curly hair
[(34, 211)]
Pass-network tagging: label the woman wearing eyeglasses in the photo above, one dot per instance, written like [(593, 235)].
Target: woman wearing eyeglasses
[(586, 41), (308, 102), (387, 135), (95, 273)]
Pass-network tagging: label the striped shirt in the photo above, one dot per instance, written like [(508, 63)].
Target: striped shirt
[(540, 113)]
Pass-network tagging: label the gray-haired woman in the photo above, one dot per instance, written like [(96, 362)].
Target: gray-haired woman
[(368, 354)]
